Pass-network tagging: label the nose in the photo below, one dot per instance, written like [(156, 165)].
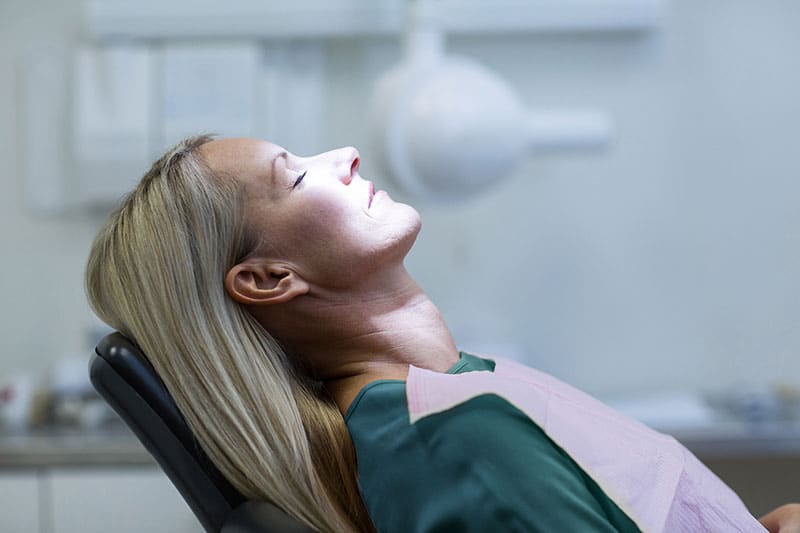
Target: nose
[(350, 160)]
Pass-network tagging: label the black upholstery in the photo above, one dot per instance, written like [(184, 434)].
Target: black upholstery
[(125, 379)]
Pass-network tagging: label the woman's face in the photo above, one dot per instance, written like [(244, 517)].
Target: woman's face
[(316, 214)]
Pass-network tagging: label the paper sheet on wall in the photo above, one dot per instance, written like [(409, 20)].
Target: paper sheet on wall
[(208, 88)]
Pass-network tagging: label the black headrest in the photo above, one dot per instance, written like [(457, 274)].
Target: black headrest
[(125, 379)]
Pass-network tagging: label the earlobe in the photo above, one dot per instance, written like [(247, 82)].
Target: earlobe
[(257, 283)]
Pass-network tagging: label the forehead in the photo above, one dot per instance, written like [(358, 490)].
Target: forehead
[(245, 159)]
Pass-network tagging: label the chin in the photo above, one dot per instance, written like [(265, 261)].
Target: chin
[(413, 222), (412, 227), (412, 214)]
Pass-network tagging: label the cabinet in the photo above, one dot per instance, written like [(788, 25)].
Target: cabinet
[(92, 500), (19, 502), (124, 501)]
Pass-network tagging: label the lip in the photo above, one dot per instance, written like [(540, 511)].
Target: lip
[(371, 194)]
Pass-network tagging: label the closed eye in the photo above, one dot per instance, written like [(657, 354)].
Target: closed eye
[(299, 179)]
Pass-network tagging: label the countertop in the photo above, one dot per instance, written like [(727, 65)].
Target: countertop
[(724, 439), (117, 446), (53, 447)]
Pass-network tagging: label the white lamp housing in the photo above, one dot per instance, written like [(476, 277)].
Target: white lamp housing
[(445, 127)]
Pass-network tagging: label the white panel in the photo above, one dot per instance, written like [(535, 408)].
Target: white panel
[(44, 113), (122, 501), (247, 18), (291, 97), (111, 120), (325, 18), (19, 502), (208, 88), (481, 16), (86, 124)]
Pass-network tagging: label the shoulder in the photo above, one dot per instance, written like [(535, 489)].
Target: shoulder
[(483, 427), (477, 429), (478, 466), (380, 412)]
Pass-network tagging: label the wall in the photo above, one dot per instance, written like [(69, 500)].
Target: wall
[(43, 313), (668, 261)]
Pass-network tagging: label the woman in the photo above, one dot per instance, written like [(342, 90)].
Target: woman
[(270, 293)]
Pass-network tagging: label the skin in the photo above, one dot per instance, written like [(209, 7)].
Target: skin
[(784, 519), (327, 278)]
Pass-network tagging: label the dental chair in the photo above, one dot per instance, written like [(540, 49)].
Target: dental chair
[(125, 379)]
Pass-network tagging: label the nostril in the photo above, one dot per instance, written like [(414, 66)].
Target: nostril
[(354, 165)]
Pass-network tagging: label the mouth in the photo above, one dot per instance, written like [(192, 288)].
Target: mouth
[(371, 194)]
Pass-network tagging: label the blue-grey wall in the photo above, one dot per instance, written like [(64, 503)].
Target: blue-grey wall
[(670, 260)]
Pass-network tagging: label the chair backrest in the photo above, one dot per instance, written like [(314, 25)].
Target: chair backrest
[(125, 379)]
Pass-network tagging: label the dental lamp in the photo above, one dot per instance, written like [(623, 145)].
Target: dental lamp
[(445, 127)]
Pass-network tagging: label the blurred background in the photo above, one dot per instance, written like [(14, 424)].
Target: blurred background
[(657, 267)]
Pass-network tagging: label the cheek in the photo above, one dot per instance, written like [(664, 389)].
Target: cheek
[(322, 221), (335, 240), (323, 233)]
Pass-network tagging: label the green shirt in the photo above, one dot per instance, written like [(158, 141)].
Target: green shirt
[(480, 466)]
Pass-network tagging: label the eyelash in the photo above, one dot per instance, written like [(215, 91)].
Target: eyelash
[(299, 179)]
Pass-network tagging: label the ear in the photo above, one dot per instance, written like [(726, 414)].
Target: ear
[(262, 283)]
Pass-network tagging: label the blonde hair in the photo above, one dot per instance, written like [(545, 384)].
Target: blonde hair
[(155, 273)]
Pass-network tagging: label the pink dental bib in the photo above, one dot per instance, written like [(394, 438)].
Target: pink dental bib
[(657, 482)]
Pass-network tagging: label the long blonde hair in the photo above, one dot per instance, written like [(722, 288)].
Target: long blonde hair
[(155, 273)]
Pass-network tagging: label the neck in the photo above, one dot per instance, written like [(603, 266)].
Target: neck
[(348, 339)]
